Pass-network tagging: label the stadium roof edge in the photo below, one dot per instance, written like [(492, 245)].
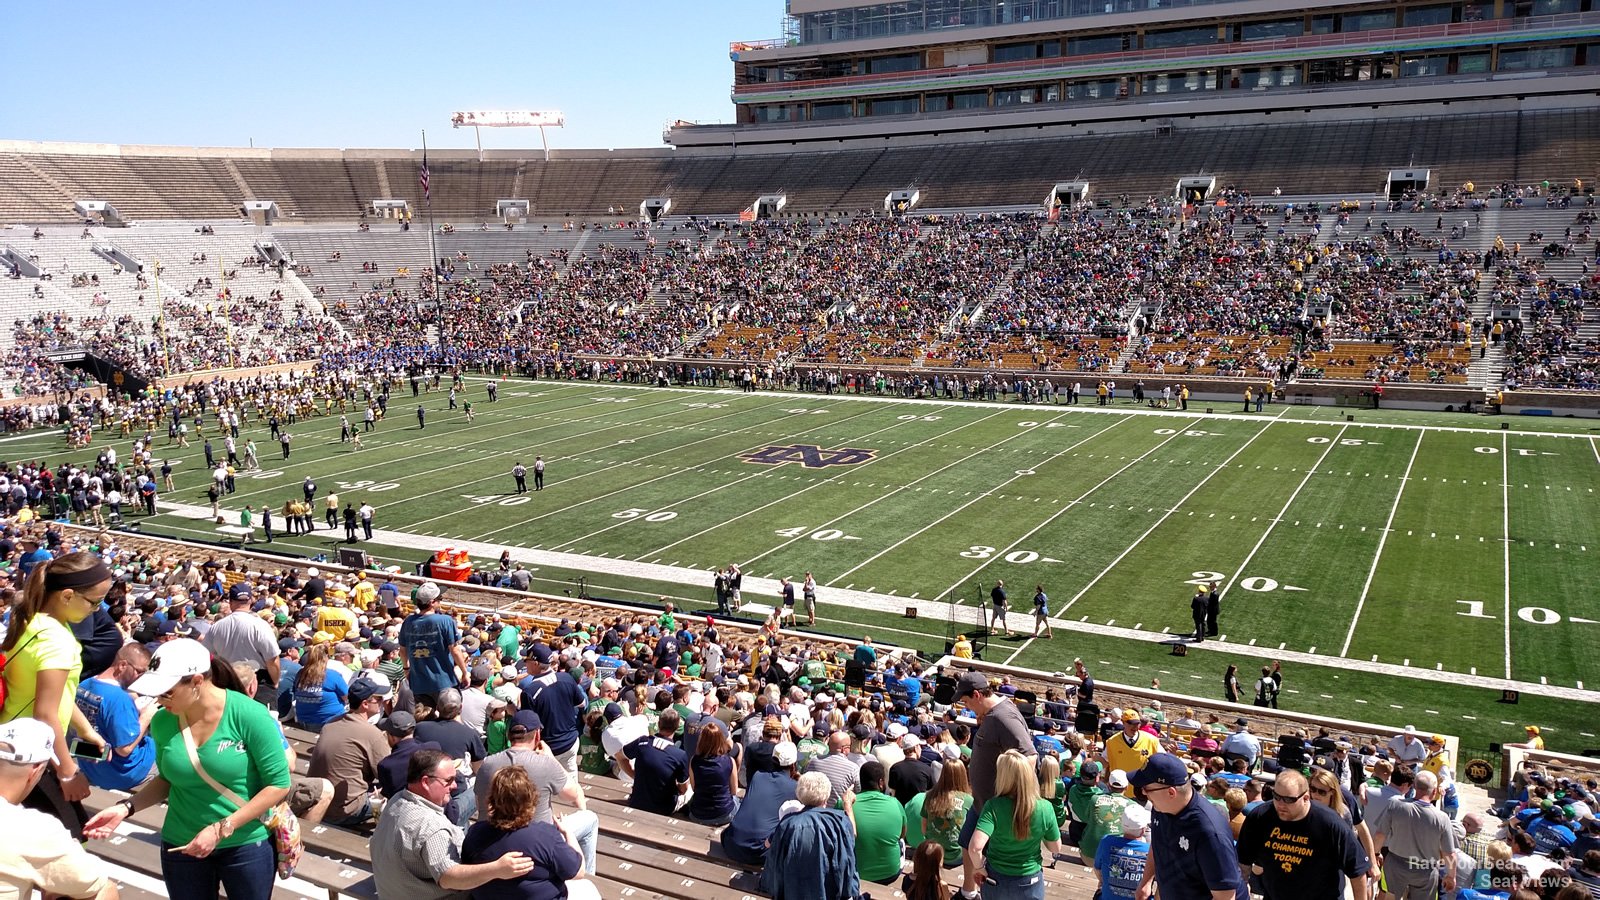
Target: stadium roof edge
[(75, 148)]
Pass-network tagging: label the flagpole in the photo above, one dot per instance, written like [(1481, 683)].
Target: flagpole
[(433, 251)]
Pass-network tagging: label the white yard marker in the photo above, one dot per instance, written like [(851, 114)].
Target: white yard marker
[(1140, 539), (946, 516), (1367, 587), (1000, 554), (1505, 545), (1282, 512)]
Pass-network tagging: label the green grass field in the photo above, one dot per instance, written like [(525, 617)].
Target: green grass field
[(1396, 563)]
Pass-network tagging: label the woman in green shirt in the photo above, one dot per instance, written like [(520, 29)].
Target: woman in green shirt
[(939, 814), (1012, 830), (208, 838), (43, 665)]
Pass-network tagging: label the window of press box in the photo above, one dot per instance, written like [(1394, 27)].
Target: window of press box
[(1429, 15), (1181, 37), (842, 110), (1262, 31), (894, 106), (1538, 58), (1472, 63), (1366, 21), (963, 100), (908, 62), (1094, 90), (1105, 43)]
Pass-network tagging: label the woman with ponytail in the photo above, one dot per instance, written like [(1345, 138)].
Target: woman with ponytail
[(220, 767), (43, 662)]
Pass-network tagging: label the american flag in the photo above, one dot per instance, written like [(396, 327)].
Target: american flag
[(422, 178)]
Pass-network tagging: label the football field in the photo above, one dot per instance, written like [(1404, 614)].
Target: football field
[(1398, 561)]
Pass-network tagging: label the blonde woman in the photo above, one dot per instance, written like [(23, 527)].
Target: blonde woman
[(1012, 831)]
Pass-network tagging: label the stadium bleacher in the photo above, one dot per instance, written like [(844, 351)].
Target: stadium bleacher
[(642, 854)]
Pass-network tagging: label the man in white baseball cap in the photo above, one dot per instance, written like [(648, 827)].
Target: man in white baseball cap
[(172, 662), (38, 852)]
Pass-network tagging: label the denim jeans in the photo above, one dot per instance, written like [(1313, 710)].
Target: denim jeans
[(584, 826), (1012, 887), (246, 872)]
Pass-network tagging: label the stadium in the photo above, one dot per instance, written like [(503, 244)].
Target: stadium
[(1104, 309)]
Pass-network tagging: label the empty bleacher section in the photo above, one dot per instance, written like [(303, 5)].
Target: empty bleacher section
[(313, 185)]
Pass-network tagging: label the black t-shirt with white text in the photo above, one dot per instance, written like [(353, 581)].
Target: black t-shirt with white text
[(1303, 859)]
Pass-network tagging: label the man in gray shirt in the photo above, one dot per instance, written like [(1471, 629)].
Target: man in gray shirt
[(843, 772), (241, 636), (1000, 728), (549, 776), (1419, 843)]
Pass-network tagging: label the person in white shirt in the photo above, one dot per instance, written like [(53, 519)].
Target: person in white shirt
[(37, 852), (622, 731), (1406, 747)]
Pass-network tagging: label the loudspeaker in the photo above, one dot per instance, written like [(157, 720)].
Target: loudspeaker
[(855, 674), (944, 690), (350, 556)]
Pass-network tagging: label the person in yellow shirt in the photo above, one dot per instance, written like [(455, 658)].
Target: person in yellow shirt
[(1438, 756), (363, 594), (335, 619), (962, 649), (1534, 741), (1132, 748)]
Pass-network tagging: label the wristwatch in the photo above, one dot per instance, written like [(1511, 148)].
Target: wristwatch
[(127, 804), (224, 828)]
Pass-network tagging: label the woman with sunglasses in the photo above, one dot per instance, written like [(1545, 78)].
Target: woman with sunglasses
[(42, 669), (208, 735), (1330, 792)]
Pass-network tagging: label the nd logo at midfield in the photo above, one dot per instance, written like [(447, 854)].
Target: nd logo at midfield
[(809, 455)]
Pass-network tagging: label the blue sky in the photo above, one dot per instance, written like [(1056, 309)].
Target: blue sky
[(336, 73)]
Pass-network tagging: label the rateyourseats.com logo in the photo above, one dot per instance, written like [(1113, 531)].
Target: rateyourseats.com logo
[(808, 455)]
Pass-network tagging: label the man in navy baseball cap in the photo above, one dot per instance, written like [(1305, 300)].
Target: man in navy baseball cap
[(1191, 845)]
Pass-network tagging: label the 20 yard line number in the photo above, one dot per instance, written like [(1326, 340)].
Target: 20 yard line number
[(1255, 584)]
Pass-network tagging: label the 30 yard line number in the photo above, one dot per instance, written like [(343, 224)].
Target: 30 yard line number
[(645, 515)]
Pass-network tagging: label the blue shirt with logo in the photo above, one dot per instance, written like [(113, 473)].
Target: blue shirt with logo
[(1120, 862), (113, 714), (1194, 852)]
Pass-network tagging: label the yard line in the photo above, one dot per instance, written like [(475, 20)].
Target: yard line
[(1383, 538), (1283, 512), (1164, 516), (386, 464), (460, 485), (1025, 645), (756, 474), (1000, 554), (1505, 545), (636, 460), (981, 494), (852, 471)]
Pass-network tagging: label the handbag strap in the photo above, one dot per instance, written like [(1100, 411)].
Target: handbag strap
[(6, 658), (194, 760)]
